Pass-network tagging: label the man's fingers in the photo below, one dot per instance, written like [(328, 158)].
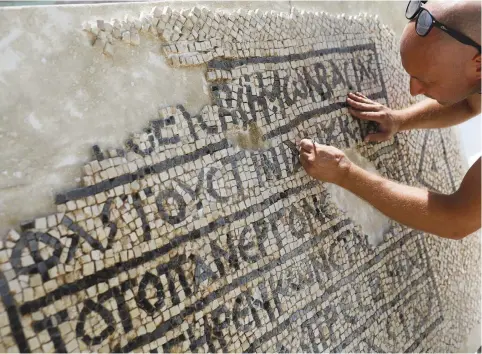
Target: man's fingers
[(375, 116), (360, 98), (307, 145), (377, 137), (305, 158), (361, 106)]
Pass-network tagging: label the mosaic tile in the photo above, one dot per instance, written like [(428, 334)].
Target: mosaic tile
[(203, 232)]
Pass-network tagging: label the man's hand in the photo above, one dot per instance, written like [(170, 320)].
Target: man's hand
[(363, 108), (325, 163)]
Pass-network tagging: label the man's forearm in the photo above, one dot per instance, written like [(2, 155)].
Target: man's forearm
[(414, 207), (430, 114)]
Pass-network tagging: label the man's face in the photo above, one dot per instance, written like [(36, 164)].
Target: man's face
[(435, 67)]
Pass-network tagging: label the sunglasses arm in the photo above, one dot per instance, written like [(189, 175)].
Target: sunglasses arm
[(457, 35)]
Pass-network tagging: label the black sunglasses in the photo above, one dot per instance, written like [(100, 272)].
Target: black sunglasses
[(425, 22)]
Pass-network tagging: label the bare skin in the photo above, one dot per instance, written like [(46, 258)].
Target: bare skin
[(452, 83), (452, 216)]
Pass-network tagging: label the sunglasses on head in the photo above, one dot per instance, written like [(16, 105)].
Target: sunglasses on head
[(425, 22)]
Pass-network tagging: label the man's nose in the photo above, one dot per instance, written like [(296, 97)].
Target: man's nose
[(415, 87)]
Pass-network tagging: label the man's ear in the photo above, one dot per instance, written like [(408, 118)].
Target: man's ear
[(476, 61)]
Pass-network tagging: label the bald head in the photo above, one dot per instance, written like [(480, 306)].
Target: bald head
[(463, 16), (440, 66)]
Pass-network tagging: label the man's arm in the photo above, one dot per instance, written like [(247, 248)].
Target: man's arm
[(452, 216), (423, 115), (429, 114)]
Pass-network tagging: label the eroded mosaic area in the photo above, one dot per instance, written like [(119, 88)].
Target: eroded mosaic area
[(203, 233)]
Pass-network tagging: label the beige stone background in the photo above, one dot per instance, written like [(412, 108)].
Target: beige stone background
[(47, 138), (58, 96)]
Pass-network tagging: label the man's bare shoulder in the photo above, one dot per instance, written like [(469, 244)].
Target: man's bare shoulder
[(474, 173), (465, 202), (470, 188)]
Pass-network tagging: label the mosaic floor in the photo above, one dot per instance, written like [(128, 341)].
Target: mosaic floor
[(203, 233)]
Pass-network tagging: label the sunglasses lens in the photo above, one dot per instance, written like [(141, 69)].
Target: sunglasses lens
[(412, 9), (424, 23)]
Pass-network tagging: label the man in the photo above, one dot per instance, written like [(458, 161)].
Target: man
[(443, 65)]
